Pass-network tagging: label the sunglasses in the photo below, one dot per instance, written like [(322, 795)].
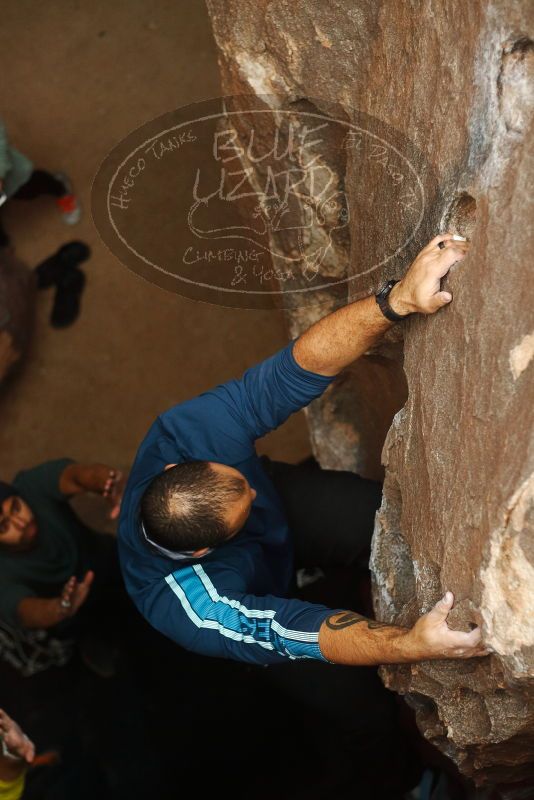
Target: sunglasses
[(5, 522), (169, 553)]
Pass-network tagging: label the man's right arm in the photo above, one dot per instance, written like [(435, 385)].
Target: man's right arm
[(210, 619), (348, 638)]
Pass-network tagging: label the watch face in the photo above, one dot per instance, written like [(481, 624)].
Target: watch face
[(384, 290)]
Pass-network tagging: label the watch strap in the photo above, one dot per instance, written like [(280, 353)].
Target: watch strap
[(382, 300)]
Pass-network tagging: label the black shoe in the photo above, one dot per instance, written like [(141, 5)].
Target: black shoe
[(67, 300), (51, 270)]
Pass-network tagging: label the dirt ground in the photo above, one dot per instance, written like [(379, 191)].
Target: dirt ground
[(77, 77)]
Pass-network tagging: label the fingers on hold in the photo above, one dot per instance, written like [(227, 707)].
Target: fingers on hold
[(474, 637), (455, 253), (471, 653), (438, 301), (452, 242), (441, 237), (466, 643), (440, 611), (461, 250)]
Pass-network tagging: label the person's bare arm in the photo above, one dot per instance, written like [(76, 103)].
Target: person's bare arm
[(41, 612), (349, 638), (343, 336), (98, 478)]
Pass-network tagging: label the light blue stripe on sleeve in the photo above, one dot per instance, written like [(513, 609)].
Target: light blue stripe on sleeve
[(206, 609)]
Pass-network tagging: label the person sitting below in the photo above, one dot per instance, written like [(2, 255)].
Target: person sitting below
[(56, 573)]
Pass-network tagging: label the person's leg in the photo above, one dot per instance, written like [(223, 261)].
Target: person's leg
[(40, 182), (330, 513), (357, 726)]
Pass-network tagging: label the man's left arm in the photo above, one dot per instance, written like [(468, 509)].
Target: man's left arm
[(343, 336), (241, 411), (232, 415)]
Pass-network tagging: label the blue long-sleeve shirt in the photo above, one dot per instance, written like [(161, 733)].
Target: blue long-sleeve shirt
[(232, 602)]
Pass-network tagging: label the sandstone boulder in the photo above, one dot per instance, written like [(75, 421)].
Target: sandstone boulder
[(449, 88)]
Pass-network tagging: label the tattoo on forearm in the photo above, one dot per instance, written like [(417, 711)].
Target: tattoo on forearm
[(352, 618)]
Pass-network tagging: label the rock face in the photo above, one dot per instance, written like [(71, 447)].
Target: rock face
[(451, 86)]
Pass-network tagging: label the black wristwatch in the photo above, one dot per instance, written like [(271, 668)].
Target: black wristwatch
[(382, 300)]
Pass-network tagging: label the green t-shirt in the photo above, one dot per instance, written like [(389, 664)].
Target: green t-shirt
[(55, 555)]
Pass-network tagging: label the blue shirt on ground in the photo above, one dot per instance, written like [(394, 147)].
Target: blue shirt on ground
[(231, 603)]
